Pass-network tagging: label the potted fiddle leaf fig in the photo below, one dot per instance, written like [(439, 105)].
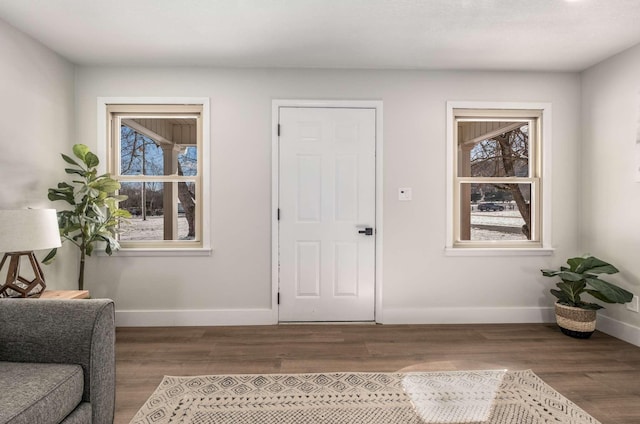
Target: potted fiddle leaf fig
[(93, 216), (575, 316)]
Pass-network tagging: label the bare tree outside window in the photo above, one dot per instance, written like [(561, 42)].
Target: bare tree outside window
[(505, 155), (187, 165)]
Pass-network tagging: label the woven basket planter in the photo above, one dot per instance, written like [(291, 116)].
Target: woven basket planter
[(576, 322)]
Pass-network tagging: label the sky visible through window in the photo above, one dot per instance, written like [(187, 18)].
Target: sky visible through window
[(141, 156)]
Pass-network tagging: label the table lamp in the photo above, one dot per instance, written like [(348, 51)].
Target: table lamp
[(21, 232)]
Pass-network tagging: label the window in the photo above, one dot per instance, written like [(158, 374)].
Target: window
[(496, 163), (156, 151)]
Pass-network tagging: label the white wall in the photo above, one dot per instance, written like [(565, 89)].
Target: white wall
[(420, 284), (36, 125), (40, 117), (610, 196)]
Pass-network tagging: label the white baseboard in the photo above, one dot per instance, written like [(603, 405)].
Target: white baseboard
[(621, 330), (183, 318), (213, 317), (458, 315)]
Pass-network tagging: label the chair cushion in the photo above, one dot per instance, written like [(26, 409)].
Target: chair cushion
[(39, 393)]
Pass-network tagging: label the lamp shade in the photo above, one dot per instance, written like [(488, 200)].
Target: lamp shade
[(28, 229)]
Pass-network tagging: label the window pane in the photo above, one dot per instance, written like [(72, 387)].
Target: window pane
[(139, 155), (491, 212), (155, 222), (493, 149), (158, 146), (188, 161)]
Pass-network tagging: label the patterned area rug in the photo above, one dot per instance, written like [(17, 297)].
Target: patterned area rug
[(489, 397)]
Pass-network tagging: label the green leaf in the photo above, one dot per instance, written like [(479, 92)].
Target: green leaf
[(72, 228), (598, 295), (121, 197), (91, 160), (549, 272), (610, 291), (595, 265), (69, 160), (562, 296), (66, 214), (590, 306), (111, 244), (107, 185), (80, 150), (80, 172), (572, 289), (91, 174), (121, 213), (50, 256), (574, 263), (65, 195), (604, 269), (97, 210), (570, 276), (111, 204)]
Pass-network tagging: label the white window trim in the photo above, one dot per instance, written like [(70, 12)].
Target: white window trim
[(206, 248), (546, 248)]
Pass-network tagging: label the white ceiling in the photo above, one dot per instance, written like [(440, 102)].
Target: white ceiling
[(548, 35)]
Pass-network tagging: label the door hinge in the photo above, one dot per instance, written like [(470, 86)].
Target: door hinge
[(278, 214), (278, 130), (278, 298)]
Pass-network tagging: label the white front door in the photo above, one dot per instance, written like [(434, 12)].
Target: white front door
[(327, 214)]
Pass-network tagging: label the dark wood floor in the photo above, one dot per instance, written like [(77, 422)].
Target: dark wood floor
[(602, 374)]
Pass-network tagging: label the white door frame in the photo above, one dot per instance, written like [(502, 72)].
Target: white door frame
[(275, 184)]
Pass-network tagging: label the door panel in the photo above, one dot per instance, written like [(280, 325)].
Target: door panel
[(309, 188), (326, 195)]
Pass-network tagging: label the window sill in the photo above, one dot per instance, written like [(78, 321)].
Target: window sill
[(498, 251), (159, 252)]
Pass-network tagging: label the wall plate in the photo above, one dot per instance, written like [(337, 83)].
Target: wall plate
[(404, 194), (633, 305)]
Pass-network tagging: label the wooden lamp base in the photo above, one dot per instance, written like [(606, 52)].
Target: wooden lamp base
[(16, 282)]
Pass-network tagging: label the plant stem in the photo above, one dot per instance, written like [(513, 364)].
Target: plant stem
[(81, 273)]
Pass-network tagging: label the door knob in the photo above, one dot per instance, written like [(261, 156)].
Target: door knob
[(366, 231)]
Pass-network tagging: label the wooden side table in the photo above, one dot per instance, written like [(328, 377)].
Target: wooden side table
[(65, 294)]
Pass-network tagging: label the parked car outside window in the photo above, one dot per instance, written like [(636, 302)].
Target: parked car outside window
[(490, 207)]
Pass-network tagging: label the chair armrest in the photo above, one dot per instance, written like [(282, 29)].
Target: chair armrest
[(65, 331)]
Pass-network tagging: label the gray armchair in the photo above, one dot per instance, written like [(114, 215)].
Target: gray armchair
[(57, 361)]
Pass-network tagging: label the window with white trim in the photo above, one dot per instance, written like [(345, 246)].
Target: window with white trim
[(497, 172), (155, 151)]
